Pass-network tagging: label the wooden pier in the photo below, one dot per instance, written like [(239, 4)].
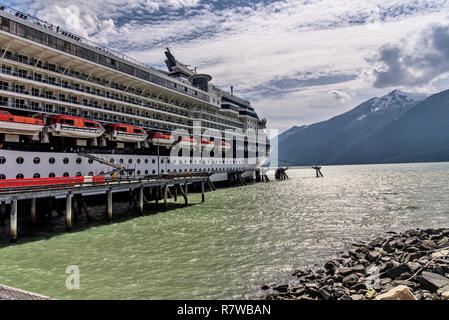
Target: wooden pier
[(142, 191)]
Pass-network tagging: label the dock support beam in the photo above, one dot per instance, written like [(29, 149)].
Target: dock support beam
[(109, 204), (141, 200), (165, 196), (13, 221), (2, 213), (33, 211), (202, 190), (68, 211), (186, 191)]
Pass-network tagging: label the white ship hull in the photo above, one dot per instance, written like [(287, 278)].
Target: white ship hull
[(61, 164)]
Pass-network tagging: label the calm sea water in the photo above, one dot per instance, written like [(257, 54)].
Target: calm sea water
[(238, 239)]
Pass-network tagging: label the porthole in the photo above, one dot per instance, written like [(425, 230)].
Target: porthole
[(154, 171), (19, 176), (146, 171), (168, 161), (111, 161), (2, 160), (138, 171), (2, 177), (130, 161), (79, 174), (101, 173), (121, 160), (174, 170), (90, 161), (168, 171), (162, 171), (66, 174), (36, 176), (138, 160), (146, 160), (91, 174), (51, 160), (78, 160), (153, 161), (19, 160), (51, 175), (65, 160), (162, 160)]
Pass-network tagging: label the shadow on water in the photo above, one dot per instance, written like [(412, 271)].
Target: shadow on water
[(51, 225)]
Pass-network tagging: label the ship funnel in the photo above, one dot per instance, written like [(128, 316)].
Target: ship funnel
[(200, 81)]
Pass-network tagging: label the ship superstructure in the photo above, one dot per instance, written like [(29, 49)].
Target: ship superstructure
[(63, 97)]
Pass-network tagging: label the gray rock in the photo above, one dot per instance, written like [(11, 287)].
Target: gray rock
[(388, 247), (281, 288), (344, 271), (428, 245), (444, 242), (395, 272), (350, 280), (325, 293), (433, 281), (331, 267), (357, 297)]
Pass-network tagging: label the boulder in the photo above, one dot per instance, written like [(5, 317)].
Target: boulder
[(350, 280), (432, 281), (428, 245), (331, 267), (443, 243), (325, 293), (396, 272), (357, 297), (440, 254), (445, 295), (373, 256), (399, 293)]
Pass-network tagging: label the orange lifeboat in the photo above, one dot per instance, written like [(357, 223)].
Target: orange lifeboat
[(224, 146), (207, 144), (186, 142), (75, 127), (126, 133), (161, 139), (18, 125)]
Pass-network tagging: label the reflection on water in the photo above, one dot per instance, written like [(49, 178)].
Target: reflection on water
[(238, 239)]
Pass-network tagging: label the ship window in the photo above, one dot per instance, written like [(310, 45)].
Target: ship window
[(90, 161), (19, 160), (138, 160), (154, 171), (36, 160), (68, 122), (51, 160), (19, 176), (65, 160), (2, 177), (121, 160), (90, 173), (146, 171), (79, 174), (168, 161), (2, 160), (101, 173), (51, 175), (138, 171), (146, 160), (162, 160), (78, 160), (66, 174), (111, 161), (153, 161), (130, 161), (36, 176), (162, 171)]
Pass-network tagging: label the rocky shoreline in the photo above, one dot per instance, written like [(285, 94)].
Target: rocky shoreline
[(413, 265)]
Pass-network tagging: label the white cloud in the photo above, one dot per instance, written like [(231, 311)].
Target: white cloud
[(250, 46)]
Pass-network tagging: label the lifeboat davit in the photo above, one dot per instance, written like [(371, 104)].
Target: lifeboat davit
[(207, 144), (161, 139), (224, 146), (75, 127), (126, 133), (186, 142), (18, 125)]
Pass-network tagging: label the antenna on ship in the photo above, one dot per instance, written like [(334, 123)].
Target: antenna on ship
[(232, 90)]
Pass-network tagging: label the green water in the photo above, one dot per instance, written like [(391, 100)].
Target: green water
[(237, 240)]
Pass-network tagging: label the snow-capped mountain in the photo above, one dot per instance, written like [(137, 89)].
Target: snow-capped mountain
[(329, 141)]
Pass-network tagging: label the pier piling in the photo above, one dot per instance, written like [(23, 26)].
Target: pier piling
[(13, 221), (33, 211), (165, 196), (141, 200), (68, 211), (202, 190), (109, 203), (2, 213)]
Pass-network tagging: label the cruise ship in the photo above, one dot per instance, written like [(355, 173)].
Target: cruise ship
[(70, 107)]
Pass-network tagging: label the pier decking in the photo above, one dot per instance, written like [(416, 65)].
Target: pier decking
[(9, 293), (142, 190)]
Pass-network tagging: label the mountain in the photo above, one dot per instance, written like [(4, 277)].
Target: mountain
[(342, 139)]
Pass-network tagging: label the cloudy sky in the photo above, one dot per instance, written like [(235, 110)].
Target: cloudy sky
[(298, 61)]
